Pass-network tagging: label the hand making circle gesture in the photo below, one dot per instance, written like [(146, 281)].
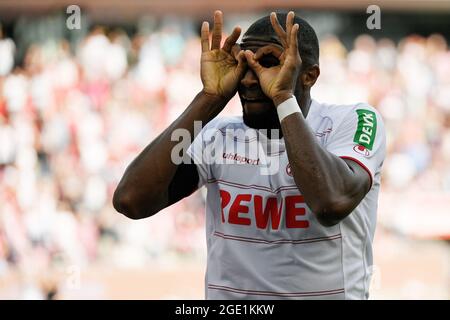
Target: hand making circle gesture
[(221, 68), (278, 81)]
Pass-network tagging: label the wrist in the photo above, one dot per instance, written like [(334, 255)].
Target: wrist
[(281, 97), (287, 107)]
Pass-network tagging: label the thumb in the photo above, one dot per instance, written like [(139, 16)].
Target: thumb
[(253, 64)]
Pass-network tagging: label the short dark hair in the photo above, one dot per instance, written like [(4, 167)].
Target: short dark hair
[(307, 38)]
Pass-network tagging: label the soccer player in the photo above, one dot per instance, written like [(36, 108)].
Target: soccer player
[(303, 231)]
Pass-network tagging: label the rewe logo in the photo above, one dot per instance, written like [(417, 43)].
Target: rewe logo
[(248, 209), (367, 128)]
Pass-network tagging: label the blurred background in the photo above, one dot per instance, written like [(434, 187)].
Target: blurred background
[(76, 106)]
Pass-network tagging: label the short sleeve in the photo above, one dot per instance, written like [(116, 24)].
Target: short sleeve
[(197, 151), (360, 137)]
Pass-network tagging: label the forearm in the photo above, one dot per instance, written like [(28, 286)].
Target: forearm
[(145, 182), (326, 181)]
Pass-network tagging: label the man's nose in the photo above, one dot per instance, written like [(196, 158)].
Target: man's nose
[(250, 79)]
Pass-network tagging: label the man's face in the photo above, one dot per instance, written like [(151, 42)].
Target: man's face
[(256, 105), (254, 101)]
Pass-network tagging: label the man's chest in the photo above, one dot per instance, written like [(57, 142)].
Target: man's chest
[(253, 192)]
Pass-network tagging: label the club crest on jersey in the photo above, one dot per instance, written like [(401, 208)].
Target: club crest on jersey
[(289, 170), (367, 129), (361, 150)]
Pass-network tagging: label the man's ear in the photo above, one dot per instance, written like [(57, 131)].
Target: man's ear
[(309, 76)]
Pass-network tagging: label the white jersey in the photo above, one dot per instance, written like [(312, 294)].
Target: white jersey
[(263, 241)]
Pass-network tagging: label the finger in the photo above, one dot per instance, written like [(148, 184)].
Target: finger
[(278, 29), (293, 47), (235, 50), (289, 24), (242, 63), (231, 40), (252, 63), (205, 36), (217, 30)]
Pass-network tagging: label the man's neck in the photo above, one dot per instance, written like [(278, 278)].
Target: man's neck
[(270, 121), (304, 101)]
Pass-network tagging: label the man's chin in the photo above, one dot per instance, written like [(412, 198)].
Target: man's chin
[(258, 107), (260, 115)]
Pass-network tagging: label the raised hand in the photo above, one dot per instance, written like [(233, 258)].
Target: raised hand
[(277, 82), (221, 68)]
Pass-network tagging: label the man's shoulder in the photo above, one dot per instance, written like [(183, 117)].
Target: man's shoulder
[(347, 113), (341, 110)]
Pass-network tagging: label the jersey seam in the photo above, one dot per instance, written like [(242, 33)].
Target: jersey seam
[(365, 269), (273, 293), (342, 260), (252, 186), (278, 241)]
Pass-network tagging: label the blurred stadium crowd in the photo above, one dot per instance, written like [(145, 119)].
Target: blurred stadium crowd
[(71, 120)]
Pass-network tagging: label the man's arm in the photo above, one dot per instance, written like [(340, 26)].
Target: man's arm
[(153, 181), (144, 187), (332, 187)]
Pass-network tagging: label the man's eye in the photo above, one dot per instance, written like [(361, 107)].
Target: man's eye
[(269, 61)]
